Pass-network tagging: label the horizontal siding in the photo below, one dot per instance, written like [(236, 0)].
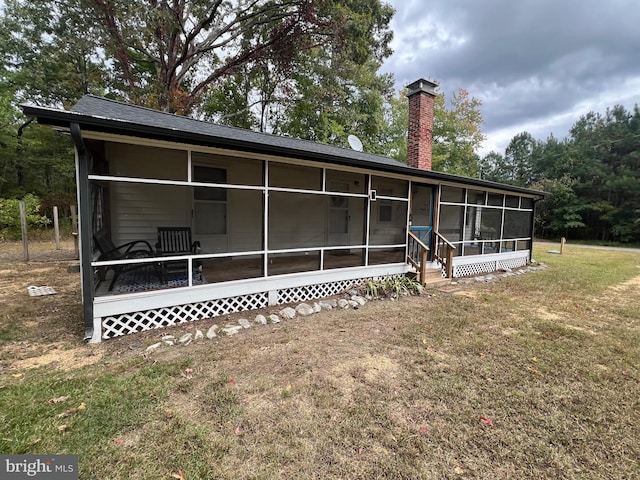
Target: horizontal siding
[(139, 161), (138, 210)]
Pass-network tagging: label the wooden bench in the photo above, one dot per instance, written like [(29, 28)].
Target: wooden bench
[(173, 241)]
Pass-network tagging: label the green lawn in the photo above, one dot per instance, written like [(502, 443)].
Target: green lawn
[(532, 376)]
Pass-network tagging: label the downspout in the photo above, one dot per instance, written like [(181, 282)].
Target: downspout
[(83, 158)]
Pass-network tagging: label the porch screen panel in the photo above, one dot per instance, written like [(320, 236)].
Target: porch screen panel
[(236, 267), (145, 277), (390, 186), (137, 210), (381, 256), (388, 219), (354, 257), (245, 220), (345, 221), (138, 161), (346, 182), (451, 222), (517, 224), (283, 263), (296, 220), (239, 171), (294, 176), (452, 195), (490, 228)]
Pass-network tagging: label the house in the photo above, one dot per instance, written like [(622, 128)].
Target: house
[(271, 219)]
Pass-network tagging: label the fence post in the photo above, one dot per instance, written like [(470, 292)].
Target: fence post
[(56, 227), (562, 242), (74, 228), (23, 225)]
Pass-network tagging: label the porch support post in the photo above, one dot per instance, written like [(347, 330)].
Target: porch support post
[(83, 157)]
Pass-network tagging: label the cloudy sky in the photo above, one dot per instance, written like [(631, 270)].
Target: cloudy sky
[(537, 65)]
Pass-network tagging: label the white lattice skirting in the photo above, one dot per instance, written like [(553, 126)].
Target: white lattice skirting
[(470, 266), (124, 324)]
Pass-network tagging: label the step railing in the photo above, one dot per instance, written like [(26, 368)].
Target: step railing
[(417, 256), (443, 253)]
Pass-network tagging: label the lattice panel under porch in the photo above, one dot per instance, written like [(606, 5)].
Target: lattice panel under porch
[(321, 290), (134, 322), (310, 292), (473, 269), (511, 263)]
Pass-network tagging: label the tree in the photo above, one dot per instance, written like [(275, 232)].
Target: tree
[(519, 158), (334, 89), (456, 132), (49, 52), (169, 56)]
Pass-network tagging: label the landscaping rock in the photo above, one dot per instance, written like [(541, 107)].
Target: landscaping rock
[(153, 347), (199, 335), (231, 329), (168, 338), (244, 323), (316, 308), (288, 313), (342, 303), (186, 338), (274, 318), (211, 333), (260, 320), (304, 309), (359, 300), (325, 305), (353, 304)]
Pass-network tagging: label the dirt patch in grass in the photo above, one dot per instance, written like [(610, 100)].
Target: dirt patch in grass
[(60, 358)]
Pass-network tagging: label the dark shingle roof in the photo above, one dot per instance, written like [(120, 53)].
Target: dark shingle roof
[(104, 115)]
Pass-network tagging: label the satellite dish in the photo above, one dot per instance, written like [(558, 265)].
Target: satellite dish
[(355, 143)]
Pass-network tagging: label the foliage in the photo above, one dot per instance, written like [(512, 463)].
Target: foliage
[(593, 176), (10, 224), (333, 90), (456, 132), (168, 55)]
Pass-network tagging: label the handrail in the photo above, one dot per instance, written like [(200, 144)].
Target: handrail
[(445, 258), (417, 256)]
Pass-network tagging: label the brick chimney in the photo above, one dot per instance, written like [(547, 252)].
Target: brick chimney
[(421, 95)]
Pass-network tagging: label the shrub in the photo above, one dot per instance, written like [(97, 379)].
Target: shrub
[(10, 228)]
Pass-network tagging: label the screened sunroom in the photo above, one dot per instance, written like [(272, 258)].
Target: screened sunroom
[(250, 218), (491, 224)]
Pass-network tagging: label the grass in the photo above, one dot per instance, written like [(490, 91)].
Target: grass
[(396, 389)]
